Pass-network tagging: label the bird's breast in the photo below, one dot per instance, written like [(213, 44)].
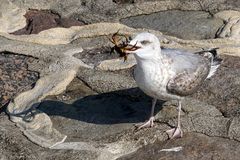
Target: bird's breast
[(152, 79)]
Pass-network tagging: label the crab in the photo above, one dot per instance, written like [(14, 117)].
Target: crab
[(121, 46)]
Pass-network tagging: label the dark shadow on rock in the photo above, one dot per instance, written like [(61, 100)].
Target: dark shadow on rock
[(123, 106)]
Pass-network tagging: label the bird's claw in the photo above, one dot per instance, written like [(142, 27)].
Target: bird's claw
[(149, 123), (175, 133)]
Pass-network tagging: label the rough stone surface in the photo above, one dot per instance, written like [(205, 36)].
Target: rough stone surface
[(181, 24), (15, 77), (39, 20), (11, 17), (231, 28), (99, 81), (94, 56), (75, 90), (14, 145), (104, 58), (96, 103), (99, 11), (204, 148), (91, 121), (222, 90), (102, 81)]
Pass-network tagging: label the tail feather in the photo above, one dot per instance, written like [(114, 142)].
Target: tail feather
[(213, 58), (212, 71), (215, 62)]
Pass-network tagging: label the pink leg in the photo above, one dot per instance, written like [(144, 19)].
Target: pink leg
[(176, 132), (150, 122)]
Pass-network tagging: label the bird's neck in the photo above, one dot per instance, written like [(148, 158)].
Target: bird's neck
[(143, 58)]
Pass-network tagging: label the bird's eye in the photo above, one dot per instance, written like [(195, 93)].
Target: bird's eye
[(144, 42)]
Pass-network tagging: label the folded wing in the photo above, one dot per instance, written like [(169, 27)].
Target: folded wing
[(190, 71)]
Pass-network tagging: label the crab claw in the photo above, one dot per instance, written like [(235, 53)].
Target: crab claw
[(130, 47), (126, 49), (114, 40), (121, 46), (125, 58)]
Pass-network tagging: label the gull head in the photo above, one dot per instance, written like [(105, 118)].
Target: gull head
[(144, 45)]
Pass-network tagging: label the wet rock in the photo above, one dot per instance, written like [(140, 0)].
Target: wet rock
[(182, 24), (194, 147)]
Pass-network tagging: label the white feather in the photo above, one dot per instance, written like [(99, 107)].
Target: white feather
[(214, 65), (174, 149), (212, 71)]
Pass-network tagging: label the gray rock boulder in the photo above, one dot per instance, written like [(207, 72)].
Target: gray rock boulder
[(181, 24), (204, 148)]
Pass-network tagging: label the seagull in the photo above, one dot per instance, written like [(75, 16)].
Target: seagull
[(169, 74)]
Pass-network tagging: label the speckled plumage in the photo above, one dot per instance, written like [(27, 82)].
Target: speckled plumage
[(168, 74), (171, 74)]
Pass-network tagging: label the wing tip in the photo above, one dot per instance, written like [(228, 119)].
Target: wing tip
[(213, 70), (215, 61)]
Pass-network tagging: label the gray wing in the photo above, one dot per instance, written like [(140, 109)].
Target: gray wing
[(191, 70)]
